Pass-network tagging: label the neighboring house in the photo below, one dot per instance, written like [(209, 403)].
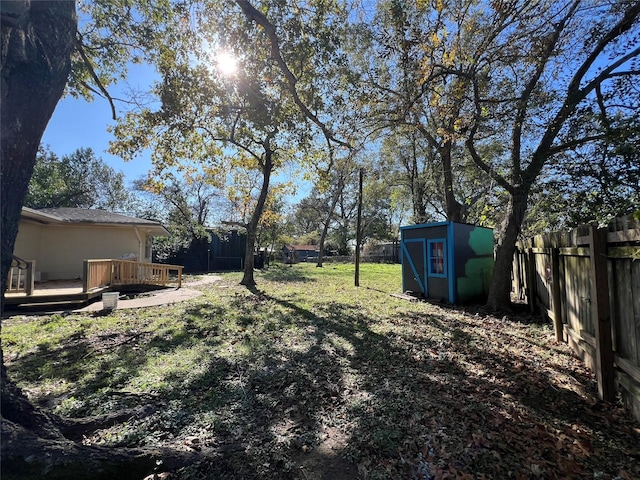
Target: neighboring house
[(306, 252), (299, 253), (224, 250), (289, 255), (60, 239), (383, 251)]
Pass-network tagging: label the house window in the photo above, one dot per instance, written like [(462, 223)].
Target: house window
[(437, 258)]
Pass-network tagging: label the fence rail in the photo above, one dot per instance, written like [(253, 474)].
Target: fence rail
[(587, 282), (126, 272)]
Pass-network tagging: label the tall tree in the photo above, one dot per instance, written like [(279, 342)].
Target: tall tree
[(259, 113), (329, 190), (418, 53), (185, 206), (204, 110), (557, 62), (37, 43)]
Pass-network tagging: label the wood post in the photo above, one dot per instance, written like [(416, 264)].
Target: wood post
[(556, 294), (515, 284), (359, 230), (85, 276), (30, 277), (601, 313)]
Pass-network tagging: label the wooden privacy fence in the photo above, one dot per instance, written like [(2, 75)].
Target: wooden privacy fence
[(102, 273), (587, 282)]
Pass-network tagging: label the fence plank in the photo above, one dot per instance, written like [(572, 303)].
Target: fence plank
[(531, 280), (632, 370), (556, 294), (594, 298), (600, 303), (625, 340), (635, 307), (575, 294), (624, 236)]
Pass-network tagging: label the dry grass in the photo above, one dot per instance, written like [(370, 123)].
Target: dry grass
[(309, 377)]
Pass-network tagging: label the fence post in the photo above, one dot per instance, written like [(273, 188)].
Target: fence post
[(602, 314), (85, 276), (556, 294), (30, 277)]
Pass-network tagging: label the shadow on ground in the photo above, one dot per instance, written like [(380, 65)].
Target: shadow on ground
[(328, 390)]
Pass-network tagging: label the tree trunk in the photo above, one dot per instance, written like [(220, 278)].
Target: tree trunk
[(38, 39), (28, 456), (500, 289), (323, 237), (325, 228), (252, 226), (416, 185), (453, 209)]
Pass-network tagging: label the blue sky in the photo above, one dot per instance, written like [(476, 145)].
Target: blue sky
[(77, 123)]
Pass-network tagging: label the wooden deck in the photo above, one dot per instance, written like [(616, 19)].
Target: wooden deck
[(57, 292), (99, 276)]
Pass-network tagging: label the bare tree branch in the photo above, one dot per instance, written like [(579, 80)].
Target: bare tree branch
[(92, 72)]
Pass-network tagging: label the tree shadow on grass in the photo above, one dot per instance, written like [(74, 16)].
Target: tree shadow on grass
[(330, 392), (98, 366), (455, 403), (286, 273)]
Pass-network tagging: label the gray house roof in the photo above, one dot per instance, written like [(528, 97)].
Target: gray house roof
[(91, 217)]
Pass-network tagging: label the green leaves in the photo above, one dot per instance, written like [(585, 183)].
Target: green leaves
[(78, 180)]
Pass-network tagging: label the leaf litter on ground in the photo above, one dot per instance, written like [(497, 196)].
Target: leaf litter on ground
[(309, 377)]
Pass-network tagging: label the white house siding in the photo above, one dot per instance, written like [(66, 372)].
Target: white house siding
[(28, 242), (59, 251)]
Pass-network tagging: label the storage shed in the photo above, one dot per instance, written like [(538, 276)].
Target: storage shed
[(447, 261)]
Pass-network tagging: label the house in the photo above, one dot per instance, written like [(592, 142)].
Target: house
[(223, 250), (447, 261), (300, 253), (289, 255), (227, 248), (60, 239), (383, 251)]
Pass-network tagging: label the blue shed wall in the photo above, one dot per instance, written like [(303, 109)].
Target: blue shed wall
[(468, 261)]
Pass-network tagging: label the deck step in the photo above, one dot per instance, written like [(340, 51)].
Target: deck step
[(52, 304), (55, 300)]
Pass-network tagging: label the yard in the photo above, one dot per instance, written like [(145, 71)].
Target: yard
[(309, 377)]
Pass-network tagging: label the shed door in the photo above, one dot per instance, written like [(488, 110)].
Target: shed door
[(414, 252)]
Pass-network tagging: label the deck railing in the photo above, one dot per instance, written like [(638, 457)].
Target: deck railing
[(102, 273), (126, 272), (21, 276), (97, 274)]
